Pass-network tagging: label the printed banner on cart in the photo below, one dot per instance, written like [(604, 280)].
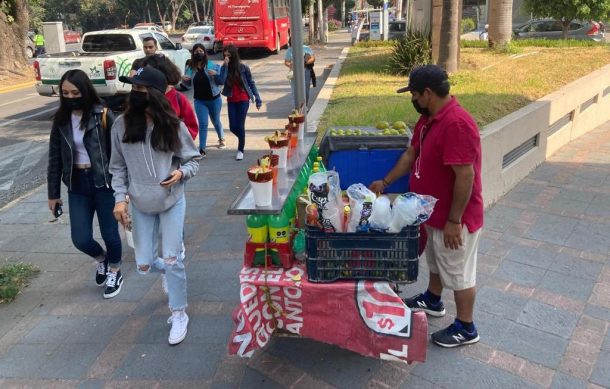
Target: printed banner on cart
[(367, 317)]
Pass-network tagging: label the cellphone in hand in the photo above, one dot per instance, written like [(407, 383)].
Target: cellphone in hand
[(166, 179), (58, 211)]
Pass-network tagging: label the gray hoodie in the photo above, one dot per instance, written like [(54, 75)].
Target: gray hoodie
[(137, 169)]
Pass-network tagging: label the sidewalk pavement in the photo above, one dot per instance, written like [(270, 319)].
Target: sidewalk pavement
[(543, 307)]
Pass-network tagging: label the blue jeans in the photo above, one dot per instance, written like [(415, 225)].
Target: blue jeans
[(307, 85), (237, 121), (211, 109), (85, 200), (170, 223)]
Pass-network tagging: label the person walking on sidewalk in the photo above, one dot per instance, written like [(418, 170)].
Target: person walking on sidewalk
[(39, 44), (239, 89), (445, 162), (310, 76), (79, 155), (153, 155), (207, 79)]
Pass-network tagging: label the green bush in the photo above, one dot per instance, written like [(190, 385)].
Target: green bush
[(334, 25), (468, 24), (13, 277), (413, 50)]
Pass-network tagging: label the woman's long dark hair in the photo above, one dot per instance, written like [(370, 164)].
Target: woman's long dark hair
[(165, 66), (195, 63), (166, 125), (90, 98), (234, 68)]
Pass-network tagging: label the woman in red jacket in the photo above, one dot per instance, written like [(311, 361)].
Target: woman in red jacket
[(179, 102)]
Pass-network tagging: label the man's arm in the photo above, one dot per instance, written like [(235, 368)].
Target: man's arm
[(402, 167), (462, 190)]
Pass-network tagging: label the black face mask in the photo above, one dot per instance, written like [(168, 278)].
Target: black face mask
[(138, 101), (199, 56), (74, 103), (421, 110)]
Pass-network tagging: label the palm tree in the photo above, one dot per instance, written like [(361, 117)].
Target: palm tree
[(500, 22), (449, 39)]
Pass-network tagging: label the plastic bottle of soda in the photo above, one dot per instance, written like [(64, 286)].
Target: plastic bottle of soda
[(279, 232), (259, 233)]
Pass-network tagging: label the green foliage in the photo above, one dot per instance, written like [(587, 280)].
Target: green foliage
[(36, 12), (370, 43), (518, 43), (334, 25), (414, 49), (375, 3), (468, 24), (13, 277), (569, 9)]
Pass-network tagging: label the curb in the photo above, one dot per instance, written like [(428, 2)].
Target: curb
[(15, 87), (319, 106)]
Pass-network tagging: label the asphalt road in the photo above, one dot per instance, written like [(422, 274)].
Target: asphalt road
[(25, 122)]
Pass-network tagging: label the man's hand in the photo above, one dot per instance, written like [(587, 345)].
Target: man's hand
[(377, 186), (452, 235), (120, 213)]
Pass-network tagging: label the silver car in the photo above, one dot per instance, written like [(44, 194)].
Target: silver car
[(552, 29), (199, 34)]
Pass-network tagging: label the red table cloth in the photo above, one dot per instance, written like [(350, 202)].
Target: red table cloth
[(366, 317)]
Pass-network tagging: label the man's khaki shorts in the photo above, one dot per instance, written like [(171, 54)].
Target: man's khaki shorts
[(457, 268)]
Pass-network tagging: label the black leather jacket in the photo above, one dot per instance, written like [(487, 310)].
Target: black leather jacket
[(61, 152)]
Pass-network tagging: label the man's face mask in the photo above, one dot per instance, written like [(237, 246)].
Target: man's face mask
[(421, 110)]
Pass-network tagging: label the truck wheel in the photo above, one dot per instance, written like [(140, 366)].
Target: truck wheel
[(277, 45), (29, 52)]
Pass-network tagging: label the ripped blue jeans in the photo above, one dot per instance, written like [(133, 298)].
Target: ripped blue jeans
[(146, 229)]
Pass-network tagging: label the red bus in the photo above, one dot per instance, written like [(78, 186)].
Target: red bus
[(252, 23)]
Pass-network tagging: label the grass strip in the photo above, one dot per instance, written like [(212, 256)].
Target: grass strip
[(13, 278)]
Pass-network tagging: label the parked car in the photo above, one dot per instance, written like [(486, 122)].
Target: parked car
[(203, 35), (396, 30), (553, 29), (71, 36), (150, 27), (29, 47)]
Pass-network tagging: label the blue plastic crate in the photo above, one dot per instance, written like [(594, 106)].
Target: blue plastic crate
[(366, 166), (368, 255)]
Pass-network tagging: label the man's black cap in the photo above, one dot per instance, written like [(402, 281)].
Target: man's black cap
[(427, 76), (147, 76)]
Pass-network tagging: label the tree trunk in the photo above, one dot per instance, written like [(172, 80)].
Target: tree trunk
[(320, 24), (12, 36), (500, 22), (437, 16), (450, 37), (196, 11), (565, 24), (312, 12)]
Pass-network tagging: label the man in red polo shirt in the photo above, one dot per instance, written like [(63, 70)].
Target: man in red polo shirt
[(444, 160)]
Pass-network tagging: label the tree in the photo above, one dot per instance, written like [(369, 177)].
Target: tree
[(14, 22), (449, 45), (500, 22), (568, 10)]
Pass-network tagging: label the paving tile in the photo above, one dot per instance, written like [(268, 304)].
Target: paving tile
[(499, 303), (519, 273), (534, 256), (601, 372), (565, 381), (213, 289), (589, 236), (92, 384), (459, 369), (255, 380), (489, 326), (413, 381), (185, 361), (552, 229), (549, 319), (606, 344), (71, 361), (569, 286), (25, 360), (215, 269), (500, 217), (533, 344), (75, 330), (212, 329), (574, 266)]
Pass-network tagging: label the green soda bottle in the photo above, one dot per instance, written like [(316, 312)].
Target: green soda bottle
[(259, 233), (279, 232)]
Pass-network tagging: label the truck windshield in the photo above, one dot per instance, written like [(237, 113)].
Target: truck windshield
[(103, 43)]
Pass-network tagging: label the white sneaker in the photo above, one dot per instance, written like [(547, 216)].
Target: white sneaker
[(179, 321), (239, 156)]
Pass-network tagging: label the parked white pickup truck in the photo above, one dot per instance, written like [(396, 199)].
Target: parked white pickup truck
[(104, 56)]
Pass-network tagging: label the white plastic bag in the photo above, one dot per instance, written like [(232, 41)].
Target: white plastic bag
[(361, 201), (411, 209), (382, 214)]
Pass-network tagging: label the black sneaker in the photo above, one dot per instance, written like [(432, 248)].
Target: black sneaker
[(455, 335), (100, 273), (113, 284), (419, 303)]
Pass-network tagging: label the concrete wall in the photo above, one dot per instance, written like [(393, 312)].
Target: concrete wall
[(555, 120)]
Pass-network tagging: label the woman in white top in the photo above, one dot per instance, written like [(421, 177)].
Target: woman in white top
[(79, 155)]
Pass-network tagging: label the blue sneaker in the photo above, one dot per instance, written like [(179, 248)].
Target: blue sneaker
[(455, 335), (420, 303)]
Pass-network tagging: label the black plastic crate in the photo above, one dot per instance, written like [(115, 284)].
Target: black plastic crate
[(356, 256)]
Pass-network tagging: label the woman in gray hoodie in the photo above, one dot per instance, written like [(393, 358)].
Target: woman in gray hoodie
[(153, 155)]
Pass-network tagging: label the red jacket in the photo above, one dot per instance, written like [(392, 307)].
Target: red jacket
[(183, 108)]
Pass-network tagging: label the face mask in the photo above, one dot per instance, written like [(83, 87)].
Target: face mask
[(138, 101), (199, 56), (421, 110), (75, 103)]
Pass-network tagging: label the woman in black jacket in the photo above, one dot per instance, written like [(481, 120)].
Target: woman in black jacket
[(79, 154)]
